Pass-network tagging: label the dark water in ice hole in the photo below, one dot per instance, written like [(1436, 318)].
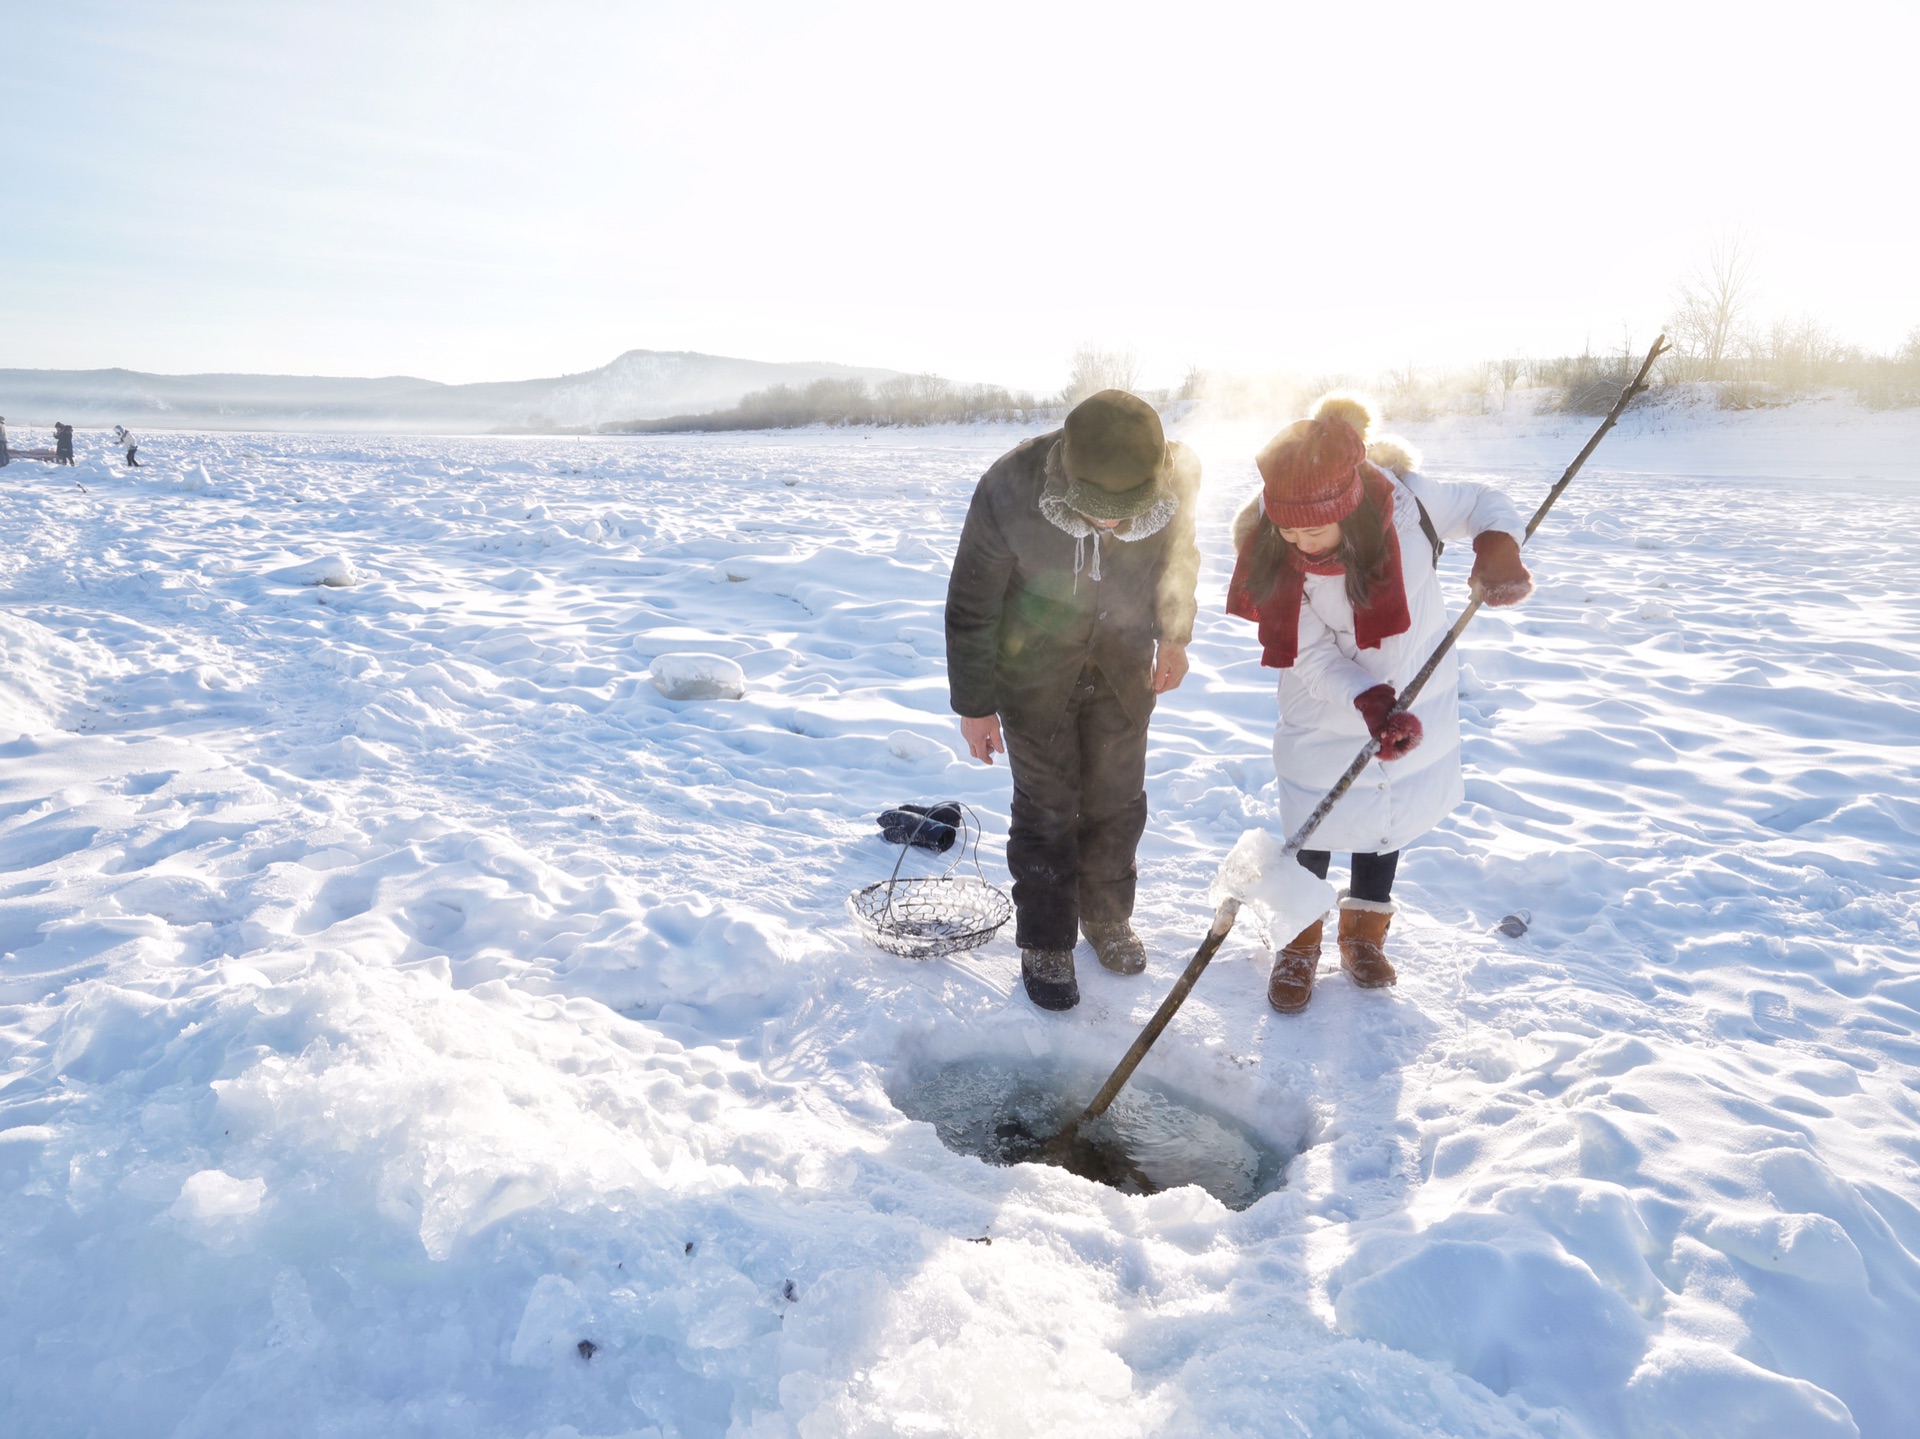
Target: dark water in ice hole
[(1150, 1139)]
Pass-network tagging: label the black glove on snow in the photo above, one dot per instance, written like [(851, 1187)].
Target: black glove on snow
[(929, 827)]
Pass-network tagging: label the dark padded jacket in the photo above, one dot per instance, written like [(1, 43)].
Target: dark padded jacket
[(1021, 625)]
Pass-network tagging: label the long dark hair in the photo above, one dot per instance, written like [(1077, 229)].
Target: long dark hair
[(1362, 550)]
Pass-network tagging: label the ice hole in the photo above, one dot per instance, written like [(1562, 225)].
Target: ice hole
[(1152, 1138)]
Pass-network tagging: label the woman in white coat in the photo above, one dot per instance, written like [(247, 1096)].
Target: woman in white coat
[(1336, 564)]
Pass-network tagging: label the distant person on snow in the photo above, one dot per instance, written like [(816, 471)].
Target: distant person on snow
[(1336, 563), (5, 458), (62, 444), (1069, 610), (125, 438)]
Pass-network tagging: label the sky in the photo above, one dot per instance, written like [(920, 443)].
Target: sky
[(475, 190)]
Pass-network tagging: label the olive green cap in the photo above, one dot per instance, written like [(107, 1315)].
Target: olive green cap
[(1115, 456)]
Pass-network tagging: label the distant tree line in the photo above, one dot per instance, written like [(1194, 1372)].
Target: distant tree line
[(1720, 341), (1722, 356), (902, 400), (910, 400), (1786, 361), (1723, 351)]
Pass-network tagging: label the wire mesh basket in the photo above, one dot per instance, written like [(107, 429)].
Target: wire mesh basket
[(921, 917)]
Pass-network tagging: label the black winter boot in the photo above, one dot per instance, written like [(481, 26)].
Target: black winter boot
[(1048, 975)]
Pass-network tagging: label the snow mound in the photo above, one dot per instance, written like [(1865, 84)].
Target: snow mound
[(918, 749), (693, 676), (1283, 898), (333, 571)]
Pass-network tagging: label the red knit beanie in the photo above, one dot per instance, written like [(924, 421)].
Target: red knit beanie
[(1310, 473)]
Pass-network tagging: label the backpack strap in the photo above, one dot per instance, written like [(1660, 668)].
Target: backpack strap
[(1427, 529)]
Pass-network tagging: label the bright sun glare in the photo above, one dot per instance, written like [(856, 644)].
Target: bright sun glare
[(496, 190)]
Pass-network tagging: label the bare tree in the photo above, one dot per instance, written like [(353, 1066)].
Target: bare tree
[(1510, 371), (1712, 303), (1407, 395), (1096, 368)]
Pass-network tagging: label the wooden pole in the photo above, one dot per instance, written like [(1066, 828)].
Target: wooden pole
[(1223, 918)]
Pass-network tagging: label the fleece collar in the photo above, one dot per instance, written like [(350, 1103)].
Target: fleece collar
[(1062, 516)]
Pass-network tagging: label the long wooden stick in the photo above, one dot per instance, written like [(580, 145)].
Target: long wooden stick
[(1440, 651), (1223, 918), (1229, 909)]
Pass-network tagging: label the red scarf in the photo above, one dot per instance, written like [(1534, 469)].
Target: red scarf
[(1278, 615)]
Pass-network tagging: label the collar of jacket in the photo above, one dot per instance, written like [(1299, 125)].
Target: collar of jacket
[(1062, 516)]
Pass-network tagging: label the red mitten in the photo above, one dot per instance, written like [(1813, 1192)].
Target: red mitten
[(1499, 576), (1373, 705), (1397, 733)]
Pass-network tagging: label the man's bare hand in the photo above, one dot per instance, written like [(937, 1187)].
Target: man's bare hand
[(983, 737), (1169, 667)]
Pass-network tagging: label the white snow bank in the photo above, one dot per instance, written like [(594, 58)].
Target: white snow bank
[(43, 672)]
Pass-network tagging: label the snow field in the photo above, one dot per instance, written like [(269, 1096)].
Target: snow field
[(396, 982)]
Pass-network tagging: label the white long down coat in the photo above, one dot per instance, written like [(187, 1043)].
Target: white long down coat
[(1320, 731)]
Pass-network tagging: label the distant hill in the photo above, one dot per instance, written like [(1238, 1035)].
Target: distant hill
[(640, 385)]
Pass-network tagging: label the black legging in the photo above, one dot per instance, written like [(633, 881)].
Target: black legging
[(1372, 873)]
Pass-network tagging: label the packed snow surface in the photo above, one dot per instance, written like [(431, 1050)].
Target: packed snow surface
[(415, 1023)]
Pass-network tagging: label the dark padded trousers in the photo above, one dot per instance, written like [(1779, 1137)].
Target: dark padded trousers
[(1079, 809), (1372, 873)]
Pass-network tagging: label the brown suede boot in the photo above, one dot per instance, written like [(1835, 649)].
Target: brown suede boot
[(1363, 936), (1290, 985)]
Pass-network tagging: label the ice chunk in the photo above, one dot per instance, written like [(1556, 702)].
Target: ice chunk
[(334, 571), (693, 676), (1282, 897), (212, 1194), (552, 1325)]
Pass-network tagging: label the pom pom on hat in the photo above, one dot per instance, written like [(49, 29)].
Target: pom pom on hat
[(1348, 408)]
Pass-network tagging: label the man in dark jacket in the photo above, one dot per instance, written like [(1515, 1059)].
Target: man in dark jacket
[(1070, 608), (63, 444)]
